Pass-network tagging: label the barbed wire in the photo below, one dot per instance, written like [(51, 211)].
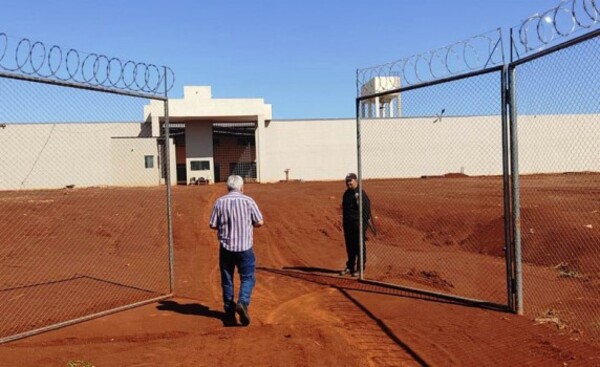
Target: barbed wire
[(542, 29), (35, 58), (475, 53)]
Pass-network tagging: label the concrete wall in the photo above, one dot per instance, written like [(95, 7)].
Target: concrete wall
[(310, 149), (559, 143), (35, 156), (199, 147), (413, 147), (417, 147), (197, 102), (48, 156), (128, 162)]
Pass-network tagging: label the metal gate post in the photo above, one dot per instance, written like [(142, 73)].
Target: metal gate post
[(508, 252), (361, 242), (516, 209), (169, 193)]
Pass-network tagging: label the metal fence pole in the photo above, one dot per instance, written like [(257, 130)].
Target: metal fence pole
[(168, 180), (361, 242), (506, 192), (516, 209)]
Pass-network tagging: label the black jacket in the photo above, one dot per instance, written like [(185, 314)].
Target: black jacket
[(350, 212)]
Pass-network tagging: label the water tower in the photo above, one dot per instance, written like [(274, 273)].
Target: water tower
[(388, 105)]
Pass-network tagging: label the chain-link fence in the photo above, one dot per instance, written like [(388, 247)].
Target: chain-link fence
[(84, 226), (435, 179), (557, 105), (435, 156)]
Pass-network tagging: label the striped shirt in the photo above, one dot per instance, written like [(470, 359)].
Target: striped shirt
[(233, 215)]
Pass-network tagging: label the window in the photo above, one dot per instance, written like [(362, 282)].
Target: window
[(200, 165), (149, 161)]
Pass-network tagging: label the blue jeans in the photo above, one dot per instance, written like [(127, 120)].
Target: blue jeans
[(246, 265)]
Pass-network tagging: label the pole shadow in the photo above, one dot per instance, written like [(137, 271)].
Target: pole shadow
[(382, 325), (311, 269)]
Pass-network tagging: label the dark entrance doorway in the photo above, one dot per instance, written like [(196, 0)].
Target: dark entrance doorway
[(217, 172), (234, 150)]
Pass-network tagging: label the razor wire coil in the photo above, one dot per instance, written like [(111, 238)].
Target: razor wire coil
[(35, 58), (476, 53), (542, 29)]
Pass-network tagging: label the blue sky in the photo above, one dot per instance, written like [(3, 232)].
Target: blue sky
[(300, 56)]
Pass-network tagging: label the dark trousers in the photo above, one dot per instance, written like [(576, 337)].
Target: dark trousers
[(352, 239)]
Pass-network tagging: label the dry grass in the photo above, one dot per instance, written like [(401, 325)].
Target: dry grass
[(550, 316), (564, 271)]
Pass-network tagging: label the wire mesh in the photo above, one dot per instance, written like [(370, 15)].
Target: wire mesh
[(83, 211), (434, 177), (558, 106), (234, 148)]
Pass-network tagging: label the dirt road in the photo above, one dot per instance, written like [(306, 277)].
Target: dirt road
[(302, 313)]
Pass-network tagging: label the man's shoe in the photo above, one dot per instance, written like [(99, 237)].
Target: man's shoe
[(242, 311), (231, 306), (344, 272), (354, 274), (229, 317)]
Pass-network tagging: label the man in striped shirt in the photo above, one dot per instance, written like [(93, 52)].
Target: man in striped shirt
[(234, 216)]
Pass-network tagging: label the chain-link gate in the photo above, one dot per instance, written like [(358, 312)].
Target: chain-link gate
[(84, 194), (467, 204), (555, 108), (433, 162)]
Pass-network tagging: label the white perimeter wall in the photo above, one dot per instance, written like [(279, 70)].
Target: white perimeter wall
[(413, 147), (416, 147), (310, 149), (34, 156), (559, 143), (128, 162), (38, 156)]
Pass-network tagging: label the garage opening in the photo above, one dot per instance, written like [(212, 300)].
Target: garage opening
[(234, 150)]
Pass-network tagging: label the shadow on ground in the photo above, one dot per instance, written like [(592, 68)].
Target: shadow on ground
[(197, 309), (311, 269)]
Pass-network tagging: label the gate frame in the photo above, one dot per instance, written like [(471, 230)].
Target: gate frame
[(514, 155), (118, 91), (510, 173), (506, 190)]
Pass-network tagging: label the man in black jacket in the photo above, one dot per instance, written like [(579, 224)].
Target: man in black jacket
[(350, 218)]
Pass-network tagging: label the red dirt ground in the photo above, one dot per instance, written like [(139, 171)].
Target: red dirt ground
[(302, 314)]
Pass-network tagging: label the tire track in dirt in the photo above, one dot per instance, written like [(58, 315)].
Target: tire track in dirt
[(337, 309), (378, 344), (304, 306), (275, 244)]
